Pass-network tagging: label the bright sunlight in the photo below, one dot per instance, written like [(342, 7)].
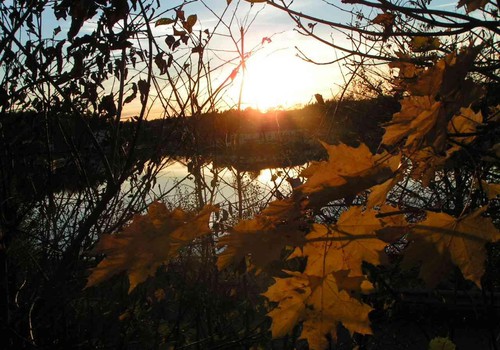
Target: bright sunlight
[(276, 81)]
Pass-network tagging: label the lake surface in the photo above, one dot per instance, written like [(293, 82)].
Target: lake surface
[(178, 184)]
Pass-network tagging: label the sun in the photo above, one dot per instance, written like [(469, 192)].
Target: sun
[(274, 81), (278, 79)]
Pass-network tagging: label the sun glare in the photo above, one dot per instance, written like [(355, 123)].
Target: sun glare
[(274, 81), (265, 176)]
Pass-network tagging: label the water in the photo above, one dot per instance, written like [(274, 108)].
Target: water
[(180, 186)]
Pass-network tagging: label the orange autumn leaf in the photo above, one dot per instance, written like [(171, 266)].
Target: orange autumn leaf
[(465, 122), (446, 79), (149, 241), (430, 81), (292, 295), (330, 306), (317, 302), (441, 241), (357, 284), (344, 246), (417, 117), (347, 172), (406, 70), (378, 193), (263, 237)]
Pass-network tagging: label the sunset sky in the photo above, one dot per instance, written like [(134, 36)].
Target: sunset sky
[(275, 76)]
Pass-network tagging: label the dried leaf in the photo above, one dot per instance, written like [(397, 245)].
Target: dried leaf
[(466, 122), (385, 19), (133, 95), (471, 5), (346, 245), (189, 23), (321, 306), (264, 237), (347, 172), (148, 242), (161, 63), (417, 118), (442, 240), (319, 99), (164, 21), (107, 105), (143, 90), (181, 33), (179, 13), (424, 43), (378, 193)]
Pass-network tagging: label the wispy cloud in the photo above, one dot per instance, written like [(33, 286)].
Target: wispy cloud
[(450, 4)]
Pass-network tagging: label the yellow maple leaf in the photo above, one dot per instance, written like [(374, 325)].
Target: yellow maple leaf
[(351, 284), (424, 119), (466, 122), (447, 79), (430, 81), (347, 172), (263, 237), (378, 193), (344, 246), (320, 304), (442, 240), (425, 149), (148, 242), (291, 294), (406, 70), (418, 116)]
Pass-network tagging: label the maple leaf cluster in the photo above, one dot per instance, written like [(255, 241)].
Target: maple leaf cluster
[(437, 120)]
